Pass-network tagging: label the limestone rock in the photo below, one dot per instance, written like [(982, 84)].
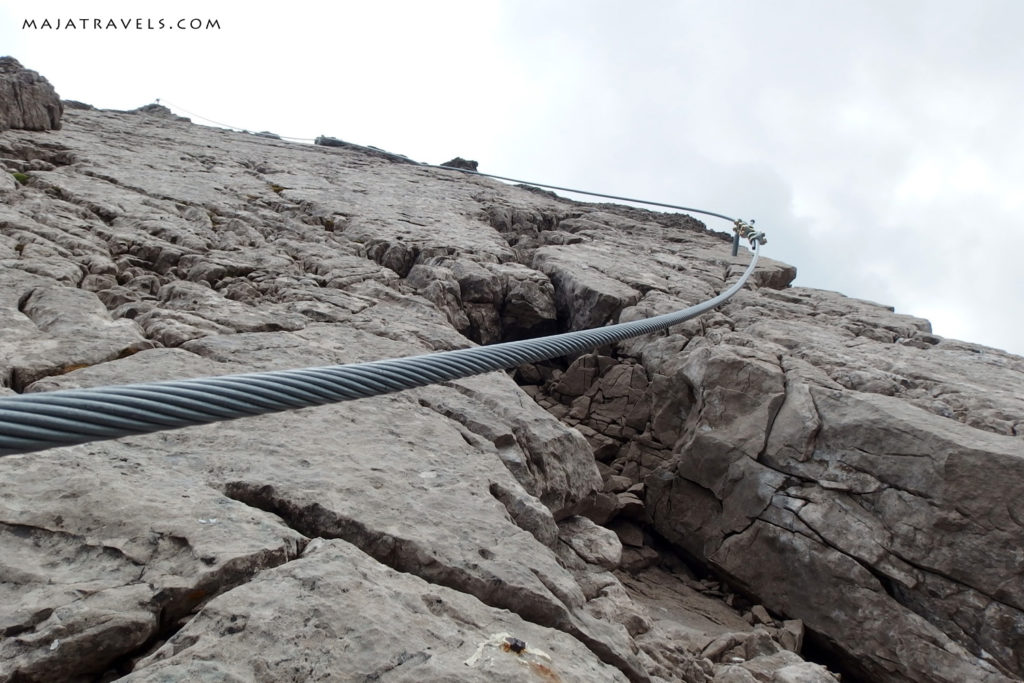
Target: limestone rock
[(159, 110), (75, 104), (394, 626), (27, 100), (93, 575), (585, 298), (847, 468), (741, 451), (594, 544), (464, 164), (327, 141), (53, 329)]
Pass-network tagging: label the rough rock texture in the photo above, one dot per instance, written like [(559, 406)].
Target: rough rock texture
[(848, 477), (830, 457), (446, 533), (465, 164), (403, 628), (27, 100)]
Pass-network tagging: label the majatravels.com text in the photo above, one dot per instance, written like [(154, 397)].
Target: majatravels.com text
[(137, 24)]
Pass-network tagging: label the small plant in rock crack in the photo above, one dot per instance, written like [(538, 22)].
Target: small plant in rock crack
[(22, 178)]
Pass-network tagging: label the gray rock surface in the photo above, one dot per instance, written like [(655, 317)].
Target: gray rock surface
[(464, 164), (831, 457), (852, 473), (402, 628), (27, 100), (397, 538)]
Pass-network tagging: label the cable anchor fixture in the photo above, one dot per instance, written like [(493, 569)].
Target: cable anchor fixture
[(745, 230)]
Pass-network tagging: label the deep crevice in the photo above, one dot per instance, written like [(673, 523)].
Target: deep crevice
[(819, 652), (176, 607), (172, 607), (406, 556), (822, 649), (314, 520)]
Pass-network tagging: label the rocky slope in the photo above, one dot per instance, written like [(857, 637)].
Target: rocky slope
[(821, 455)]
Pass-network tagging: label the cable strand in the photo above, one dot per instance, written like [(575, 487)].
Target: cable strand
[(38, 421)]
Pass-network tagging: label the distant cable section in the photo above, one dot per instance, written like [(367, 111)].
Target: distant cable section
[(400, 157), (44, 420)]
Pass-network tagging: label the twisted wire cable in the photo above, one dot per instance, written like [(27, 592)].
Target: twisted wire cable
[(34, 422)]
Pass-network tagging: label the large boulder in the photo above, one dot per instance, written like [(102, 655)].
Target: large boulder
[(27, 100)]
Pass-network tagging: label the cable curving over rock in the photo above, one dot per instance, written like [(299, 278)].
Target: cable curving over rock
[(46, 420)]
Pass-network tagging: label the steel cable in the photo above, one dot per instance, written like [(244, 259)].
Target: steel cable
[(34, 422), (39, 421)]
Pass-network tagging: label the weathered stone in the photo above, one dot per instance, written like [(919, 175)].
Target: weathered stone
[(834, 459), (578, 378), (478, 285), (464, 164), (528, 304), (734, 674), (599, 507), (761, 615), (27, 100), (439, 286), (327, 141), (51, 329), (791, 635), (342, 615), (584, 297), (617, 484), (160, 111), (759, 643), (803, 672), (638, 559), (101, 569), (631, 507), (764, 668), (75, 104), (594, 544)]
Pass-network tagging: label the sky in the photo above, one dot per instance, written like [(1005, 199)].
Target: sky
[(878, 144)]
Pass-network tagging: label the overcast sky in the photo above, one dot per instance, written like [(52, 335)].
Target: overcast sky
[(878, 143)]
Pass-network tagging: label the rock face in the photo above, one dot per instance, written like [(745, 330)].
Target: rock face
[(427, 535), (27, 100), (849, 477)]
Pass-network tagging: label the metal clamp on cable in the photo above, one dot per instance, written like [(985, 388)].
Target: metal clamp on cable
[(746, 231)]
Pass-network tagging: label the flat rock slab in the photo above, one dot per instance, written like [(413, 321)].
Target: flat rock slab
[(102, 568), (339, 614)]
